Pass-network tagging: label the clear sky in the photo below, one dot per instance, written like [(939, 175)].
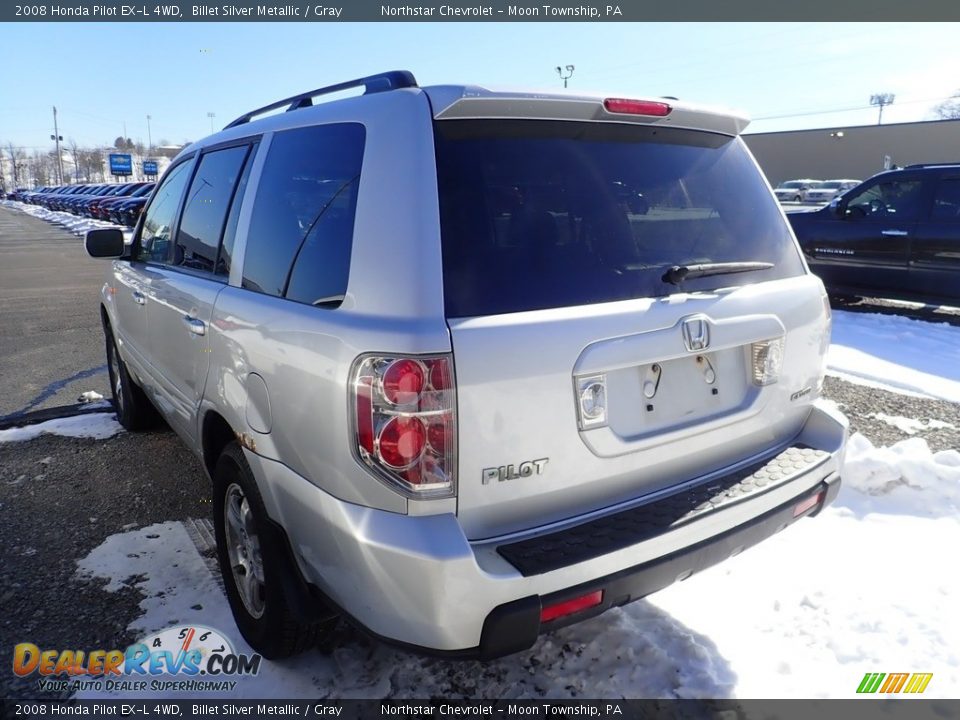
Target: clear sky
[(103, 77)]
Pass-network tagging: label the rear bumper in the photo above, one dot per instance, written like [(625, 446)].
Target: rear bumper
[(417, 581)]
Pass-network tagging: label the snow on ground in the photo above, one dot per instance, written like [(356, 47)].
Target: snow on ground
[(75, 224), (911, 426), (896, 353), (91, 425), (869, 585)]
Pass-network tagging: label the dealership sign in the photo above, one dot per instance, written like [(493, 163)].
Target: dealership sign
[(149, 167), (121, 164)]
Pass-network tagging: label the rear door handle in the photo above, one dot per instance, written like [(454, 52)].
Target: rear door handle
[(138, 298), (894, 233), (197, 327)]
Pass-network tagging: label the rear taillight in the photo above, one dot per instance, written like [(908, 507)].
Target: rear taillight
[(623, 106), (404, 423)]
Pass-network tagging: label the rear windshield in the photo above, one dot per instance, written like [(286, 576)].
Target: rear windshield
[(545, 214)]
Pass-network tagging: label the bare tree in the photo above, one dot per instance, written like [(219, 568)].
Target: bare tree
[(75, 154), (18, 159), (39, 166), (949, 109)]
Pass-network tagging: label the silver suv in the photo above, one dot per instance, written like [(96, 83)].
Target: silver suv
[(465, 366)]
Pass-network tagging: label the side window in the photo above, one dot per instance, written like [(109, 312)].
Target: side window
[(205, 211), (946, 202), (887, 199), (230, 231), (157, 224), (301, 229)]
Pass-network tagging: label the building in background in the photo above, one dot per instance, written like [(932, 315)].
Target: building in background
[(853, 152)]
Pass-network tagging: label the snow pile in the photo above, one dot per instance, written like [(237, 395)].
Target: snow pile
[(896, 353), (92, 425), (906, 478), (74, 223)]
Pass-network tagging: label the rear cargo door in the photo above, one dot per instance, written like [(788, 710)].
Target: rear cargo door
[(587, 373)]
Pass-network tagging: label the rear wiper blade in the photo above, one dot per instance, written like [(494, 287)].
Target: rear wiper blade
[(678, 273)]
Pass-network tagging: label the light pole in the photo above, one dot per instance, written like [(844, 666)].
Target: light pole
[(149, 136), (56, 137), (211, 116), (569, 69), (881, 100)]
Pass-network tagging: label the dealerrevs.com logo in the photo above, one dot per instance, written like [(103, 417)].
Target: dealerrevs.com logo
[(186, 658)]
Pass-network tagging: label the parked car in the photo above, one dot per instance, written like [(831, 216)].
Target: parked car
[(794, 190), (829, 189), (128, 211), (895, 235), (466, 365), (101, 210)]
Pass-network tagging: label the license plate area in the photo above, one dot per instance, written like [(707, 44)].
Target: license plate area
[(663, 396)]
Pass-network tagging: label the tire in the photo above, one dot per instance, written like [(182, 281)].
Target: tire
[(134, 409), (797, 198), (248, 554)]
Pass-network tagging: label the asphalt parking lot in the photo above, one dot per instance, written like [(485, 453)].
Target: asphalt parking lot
[(62, 497), (51, 344)]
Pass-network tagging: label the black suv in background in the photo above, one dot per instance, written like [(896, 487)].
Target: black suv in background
[(895, 235)]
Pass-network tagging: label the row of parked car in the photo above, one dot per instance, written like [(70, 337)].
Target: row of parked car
[(117, 203), (813, 191)]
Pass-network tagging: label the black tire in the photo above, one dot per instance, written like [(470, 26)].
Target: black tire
[(264, 618), (134, 409)]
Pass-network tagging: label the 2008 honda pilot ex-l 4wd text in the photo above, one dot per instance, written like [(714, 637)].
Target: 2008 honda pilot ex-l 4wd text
[(465, 366)]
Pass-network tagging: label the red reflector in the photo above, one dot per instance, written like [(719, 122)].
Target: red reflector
[(636, 107), (569, 607), (364, 415), (810, 502)]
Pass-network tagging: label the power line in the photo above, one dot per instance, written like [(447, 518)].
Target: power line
[(840, 110)]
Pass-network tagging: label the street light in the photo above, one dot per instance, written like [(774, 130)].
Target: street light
[(881, 100), (149, 137), (211, 116), (569, 69), (58, 139)]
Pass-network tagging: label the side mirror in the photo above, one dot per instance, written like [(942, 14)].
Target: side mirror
[(837, 207), (105, 243)]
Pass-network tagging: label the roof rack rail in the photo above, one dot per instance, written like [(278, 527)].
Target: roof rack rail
[(922, 165), (381, 82)]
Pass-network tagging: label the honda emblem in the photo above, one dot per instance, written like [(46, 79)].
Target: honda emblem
[(696, 334)]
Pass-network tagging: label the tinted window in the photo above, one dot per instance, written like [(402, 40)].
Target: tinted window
[(208, 200), (308, 171), (158, 222), (539, 214), (946, 203), (230, 232), (886, 199)]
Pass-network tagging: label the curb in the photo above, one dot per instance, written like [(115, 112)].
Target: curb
[(54, 413)]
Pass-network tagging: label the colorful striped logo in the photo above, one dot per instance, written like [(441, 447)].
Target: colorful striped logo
[(894, 682)]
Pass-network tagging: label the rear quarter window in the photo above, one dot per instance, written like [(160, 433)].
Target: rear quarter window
[(542, 214), (301, 228)]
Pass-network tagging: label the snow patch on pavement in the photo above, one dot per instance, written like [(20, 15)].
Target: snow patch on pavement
[(867, 585), (911, 426), (896, 353), (98, 426)]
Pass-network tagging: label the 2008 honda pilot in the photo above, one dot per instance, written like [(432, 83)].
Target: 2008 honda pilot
[(464, 365)]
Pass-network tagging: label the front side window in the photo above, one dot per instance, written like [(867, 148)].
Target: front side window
[(886, 199), (542, 214), (301, 227), (155, 237), (205, 211)]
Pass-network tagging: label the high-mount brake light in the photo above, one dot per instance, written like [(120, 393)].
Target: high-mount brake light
[(623, 106), (404, 422)]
